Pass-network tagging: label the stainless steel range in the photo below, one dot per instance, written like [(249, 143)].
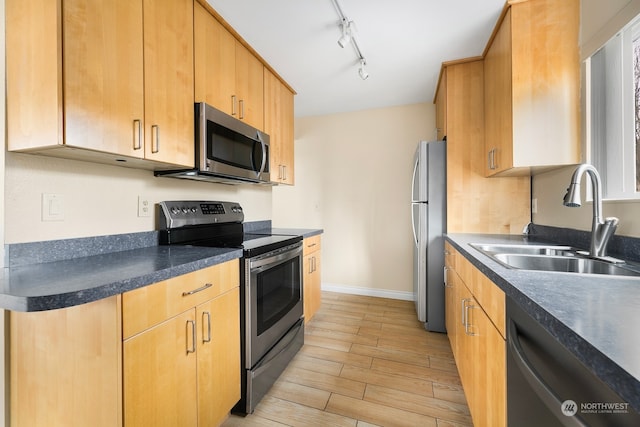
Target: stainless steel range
[(271, 318)]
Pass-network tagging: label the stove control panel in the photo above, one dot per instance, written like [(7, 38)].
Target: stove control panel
[(180, 213)]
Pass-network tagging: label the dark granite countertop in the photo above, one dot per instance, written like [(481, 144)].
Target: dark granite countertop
[(62, 273), (65, 283), (595, 317)]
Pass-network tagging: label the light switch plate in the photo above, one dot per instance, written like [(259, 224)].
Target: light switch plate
[(52, 207)]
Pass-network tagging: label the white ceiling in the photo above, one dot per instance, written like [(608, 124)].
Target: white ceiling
[(403, 41)]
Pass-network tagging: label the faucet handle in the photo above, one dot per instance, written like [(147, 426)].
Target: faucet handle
[(611, 221)]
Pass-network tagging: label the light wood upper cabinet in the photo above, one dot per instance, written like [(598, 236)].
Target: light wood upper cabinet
[(476, 204), (103, 76), (85, 76), (532, 88), (215, 62), (278, 124), (228, 76), (249, 87), (169, 81), (441, 107)]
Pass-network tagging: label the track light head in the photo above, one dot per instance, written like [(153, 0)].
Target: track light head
[(346, 33), (363, 73)]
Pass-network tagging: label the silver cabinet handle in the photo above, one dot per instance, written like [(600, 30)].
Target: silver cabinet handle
[(200, 289), (155, 139), (464, 319), (241, 109), (234, 100), (191, 323), (137, 134), (467, 325), (492, 159), (208, 324), (446, 277)]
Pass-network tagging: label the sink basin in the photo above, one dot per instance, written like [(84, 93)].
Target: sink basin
[(553, 250), (568, 264)]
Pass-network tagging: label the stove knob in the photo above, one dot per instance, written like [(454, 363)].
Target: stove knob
[(194, 209), (175, 210), (185, 210)]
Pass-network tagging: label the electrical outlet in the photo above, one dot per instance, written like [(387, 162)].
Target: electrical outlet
[(534, 205), (144, 206)]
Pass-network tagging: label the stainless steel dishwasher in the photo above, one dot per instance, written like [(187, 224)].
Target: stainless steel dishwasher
[(548, 386)]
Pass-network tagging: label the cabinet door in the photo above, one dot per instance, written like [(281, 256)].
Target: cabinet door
[(249, 87), (498, 101), (218, 357), (169, 85), (278, 123), (452, 312), (160, 374), (441, 107), (103, 75), (65, 366), (215, 62), (488, 396)]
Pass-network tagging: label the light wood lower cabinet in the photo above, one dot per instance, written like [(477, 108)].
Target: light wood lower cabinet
[(167, 354), (184, 370), (311, 277), (159, 374), (218, 357), (65, 366), (475, 325)]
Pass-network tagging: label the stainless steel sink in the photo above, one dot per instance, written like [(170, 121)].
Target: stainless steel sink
[(571, 264), (557, 258), (556, 250)]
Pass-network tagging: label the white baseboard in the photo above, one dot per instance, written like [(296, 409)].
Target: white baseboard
[(382, 293)]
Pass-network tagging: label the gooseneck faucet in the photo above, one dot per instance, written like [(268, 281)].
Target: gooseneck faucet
[(601, 230)]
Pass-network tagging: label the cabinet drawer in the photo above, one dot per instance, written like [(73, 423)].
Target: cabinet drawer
[(490, 297), (450, 255), (311, 244), (150, 305)]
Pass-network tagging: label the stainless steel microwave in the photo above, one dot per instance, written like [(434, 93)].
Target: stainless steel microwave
[(227, 150)]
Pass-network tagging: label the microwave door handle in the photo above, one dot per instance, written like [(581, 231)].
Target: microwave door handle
[(264, 155)]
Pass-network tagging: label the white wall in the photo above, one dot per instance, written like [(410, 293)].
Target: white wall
[(599, 22), (353, 178), (101, 199)]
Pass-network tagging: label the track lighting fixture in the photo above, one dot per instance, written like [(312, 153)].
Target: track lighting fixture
[(346, 33), (363, 73), (348, 36)]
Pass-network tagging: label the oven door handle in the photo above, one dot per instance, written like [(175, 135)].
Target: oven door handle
[(265, 364), (260, 264)]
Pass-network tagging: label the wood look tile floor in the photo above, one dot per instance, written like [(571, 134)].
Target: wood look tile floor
[(366, 362)]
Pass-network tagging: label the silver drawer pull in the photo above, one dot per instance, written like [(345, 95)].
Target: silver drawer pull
[(194, 291)]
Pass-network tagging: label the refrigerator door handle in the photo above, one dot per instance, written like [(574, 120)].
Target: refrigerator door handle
[(413, 225), (416, 162)]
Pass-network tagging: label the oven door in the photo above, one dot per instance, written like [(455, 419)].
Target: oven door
[(273, 299)]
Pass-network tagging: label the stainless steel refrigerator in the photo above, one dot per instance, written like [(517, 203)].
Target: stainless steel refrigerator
[(429, 216)]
